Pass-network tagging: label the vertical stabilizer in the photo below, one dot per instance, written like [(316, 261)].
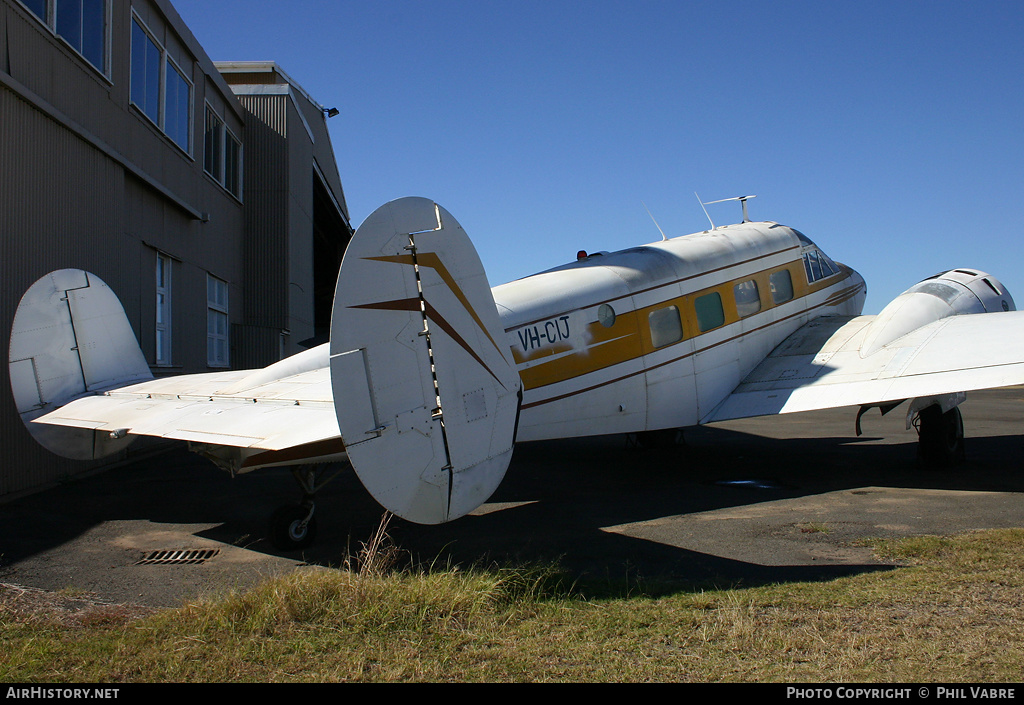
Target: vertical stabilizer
[(70, 338), (424, 387)]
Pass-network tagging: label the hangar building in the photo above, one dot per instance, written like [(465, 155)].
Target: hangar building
[(207, 196)]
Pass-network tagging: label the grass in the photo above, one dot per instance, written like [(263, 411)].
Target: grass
[(952, 611)]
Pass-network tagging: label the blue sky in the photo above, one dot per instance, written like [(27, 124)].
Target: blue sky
[(891, 133)]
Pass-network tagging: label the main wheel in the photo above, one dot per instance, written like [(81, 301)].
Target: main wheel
[(292, 527), (941, 438)]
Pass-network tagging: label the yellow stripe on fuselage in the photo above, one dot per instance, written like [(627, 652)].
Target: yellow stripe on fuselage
[(564, 347)]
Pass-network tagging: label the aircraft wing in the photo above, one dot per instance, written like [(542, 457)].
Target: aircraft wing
[(822, 366), (216, 408)]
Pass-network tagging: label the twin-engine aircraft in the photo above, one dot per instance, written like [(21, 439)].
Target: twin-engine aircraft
[(430, 376)]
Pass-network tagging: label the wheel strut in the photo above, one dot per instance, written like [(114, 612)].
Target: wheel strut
[(293, 526)]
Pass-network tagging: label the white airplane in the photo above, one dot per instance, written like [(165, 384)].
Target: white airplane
[(430, 376)]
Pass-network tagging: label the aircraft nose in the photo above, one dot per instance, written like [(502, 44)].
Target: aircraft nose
[(862, 283)]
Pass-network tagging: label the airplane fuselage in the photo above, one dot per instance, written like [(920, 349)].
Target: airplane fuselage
[(657, 336)]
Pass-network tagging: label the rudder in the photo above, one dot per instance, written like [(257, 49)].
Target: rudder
[(70, 337), (425, 390)]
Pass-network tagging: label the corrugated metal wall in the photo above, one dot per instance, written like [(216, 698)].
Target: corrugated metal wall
[(58, 198), (266, 225)]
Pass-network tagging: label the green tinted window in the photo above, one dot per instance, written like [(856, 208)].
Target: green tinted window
[(709, 311)]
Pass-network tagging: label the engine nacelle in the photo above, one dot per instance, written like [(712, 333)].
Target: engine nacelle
[(951, 293)]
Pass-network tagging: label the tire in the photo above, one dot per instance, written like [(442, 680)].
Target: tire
[(941, 442), (287, 531)]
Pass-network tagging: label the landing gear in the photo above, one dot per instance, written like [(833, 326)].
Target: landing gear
[(941, 437), (293, 526)]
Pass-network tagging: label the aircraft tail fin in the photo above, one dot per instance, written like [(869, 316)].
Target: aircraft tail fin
[(71, 338), (425, 389)]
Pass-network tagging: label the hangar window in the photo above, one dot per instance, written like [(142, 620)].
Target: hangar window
[(145, 72), (782, 286), (160, 88), (666, 326), (710, 313), (163, 309), (82, 24), (222, 154), (178, 111), (216, 322), (748, 299)]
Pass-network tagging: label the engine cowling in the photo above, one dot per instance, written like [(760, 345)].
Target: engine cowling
[(952, 293)]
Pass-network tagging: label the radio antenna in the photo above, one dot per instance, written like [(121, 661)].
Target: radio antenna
[(705, 210), (663, 236), (741, 199)]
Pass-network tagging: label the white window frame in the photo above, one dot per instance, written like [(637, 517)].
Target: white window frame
[(163, 336), (51, 11), (167, 63), (217, 311)]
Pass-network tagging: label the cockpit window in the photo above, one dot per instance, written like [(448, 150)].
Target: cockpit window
[(817, 265)]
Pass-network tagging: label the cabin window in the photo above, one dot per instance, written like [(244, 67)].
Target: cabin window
[(782, 286), (606, 315), (710, 313), (748, 299), (666, 326)]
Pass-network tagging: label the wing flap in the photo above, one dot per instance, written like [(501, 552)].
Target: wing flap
[(821, 366)]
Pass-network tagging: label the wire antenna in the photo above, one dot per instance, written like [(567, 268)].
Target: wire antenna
[(663, 236)]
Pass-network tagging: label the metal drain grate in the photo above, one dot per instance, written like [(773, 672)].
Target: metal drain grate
[(181, 555)]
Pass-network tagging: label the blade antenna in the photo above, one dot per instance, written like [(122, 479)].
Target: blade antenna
[(663, 236), (705, 210)]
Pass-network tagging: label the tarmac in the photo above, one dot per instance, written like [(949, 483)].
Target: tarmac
[(771, 499)]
